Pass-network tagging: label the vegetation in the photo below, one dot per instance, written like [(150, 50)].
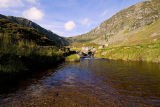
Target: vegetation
[(17, 32), (25, 49), (29, 24), (149, 35), (145, 52), (132, 25), (143, 45), (73, 58), (25, 55), (131, 34), (26, 46)]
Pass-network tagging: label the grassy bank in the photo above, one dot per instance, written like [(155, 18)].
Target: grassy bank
[(144, 52), (20, 57), (73, 58)]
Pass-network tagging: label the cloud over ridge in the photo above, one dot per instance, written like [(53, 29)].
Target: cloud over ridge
[(33, 14)]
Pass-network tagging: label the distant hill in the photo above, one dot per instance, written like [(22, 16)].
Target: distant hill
[(136, 24), (27, 23), (18, 32)]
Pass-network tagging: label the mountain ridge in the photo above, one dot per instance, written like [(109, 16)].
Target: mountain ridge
[(27, 23), (124, 22), (19, 33)]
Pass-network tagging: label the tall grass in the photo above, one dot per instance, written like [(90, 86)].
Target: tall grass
[(144, 52), (21, 55)]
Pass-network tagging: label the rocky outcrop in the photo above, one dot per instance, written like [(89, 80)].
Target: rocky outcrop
[(101, 47), (88, 51)]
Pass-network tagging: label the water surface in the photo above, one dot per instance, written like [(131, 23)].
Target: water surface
[(91, 82)]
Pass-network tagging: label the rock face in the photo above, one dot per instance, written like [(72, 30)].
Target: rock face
[(127, 20)]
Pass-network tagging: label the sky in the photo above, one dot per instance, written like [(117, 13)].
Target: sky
[(65, 17)]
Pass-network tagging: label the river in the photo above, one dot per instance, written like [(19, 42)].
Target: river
[(88, 83)]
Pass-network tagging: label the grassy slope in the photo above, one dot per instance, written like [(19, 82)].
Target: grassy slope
[(18, 32), (27, 23), (146, 34), (129, 19), (24, 49), (141, 46), (144, 52)]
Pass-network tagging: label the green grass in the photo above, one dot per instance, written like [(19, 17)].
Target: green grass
[(24, 49), (73, 58), (144, 52), (25, 55), (126, 31), (18, 32), (145, 36)]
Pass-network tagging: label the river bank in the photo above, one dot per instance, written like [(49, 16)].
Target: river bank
[(30, 65), (143, 52), (20, 58)]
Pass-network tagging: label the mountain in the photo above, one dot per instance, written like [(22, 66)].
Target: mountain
[(27, 23), (19, 33), (136, 24)]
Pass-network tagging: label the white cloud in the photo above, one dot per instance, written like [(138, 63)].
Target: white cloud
[(10, 3), (69, 25), (104, 13), (33, 14)]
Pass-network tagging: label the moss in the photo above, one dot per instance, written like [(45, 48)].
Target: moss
[(73, 58)]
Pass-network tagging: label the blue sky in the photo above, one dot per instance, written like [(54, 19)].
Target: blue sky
[(65, 17)]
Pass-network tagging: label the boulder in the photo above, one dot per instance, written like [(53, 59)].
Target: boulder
[(88, 51), (106, 44), (101, 47)]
